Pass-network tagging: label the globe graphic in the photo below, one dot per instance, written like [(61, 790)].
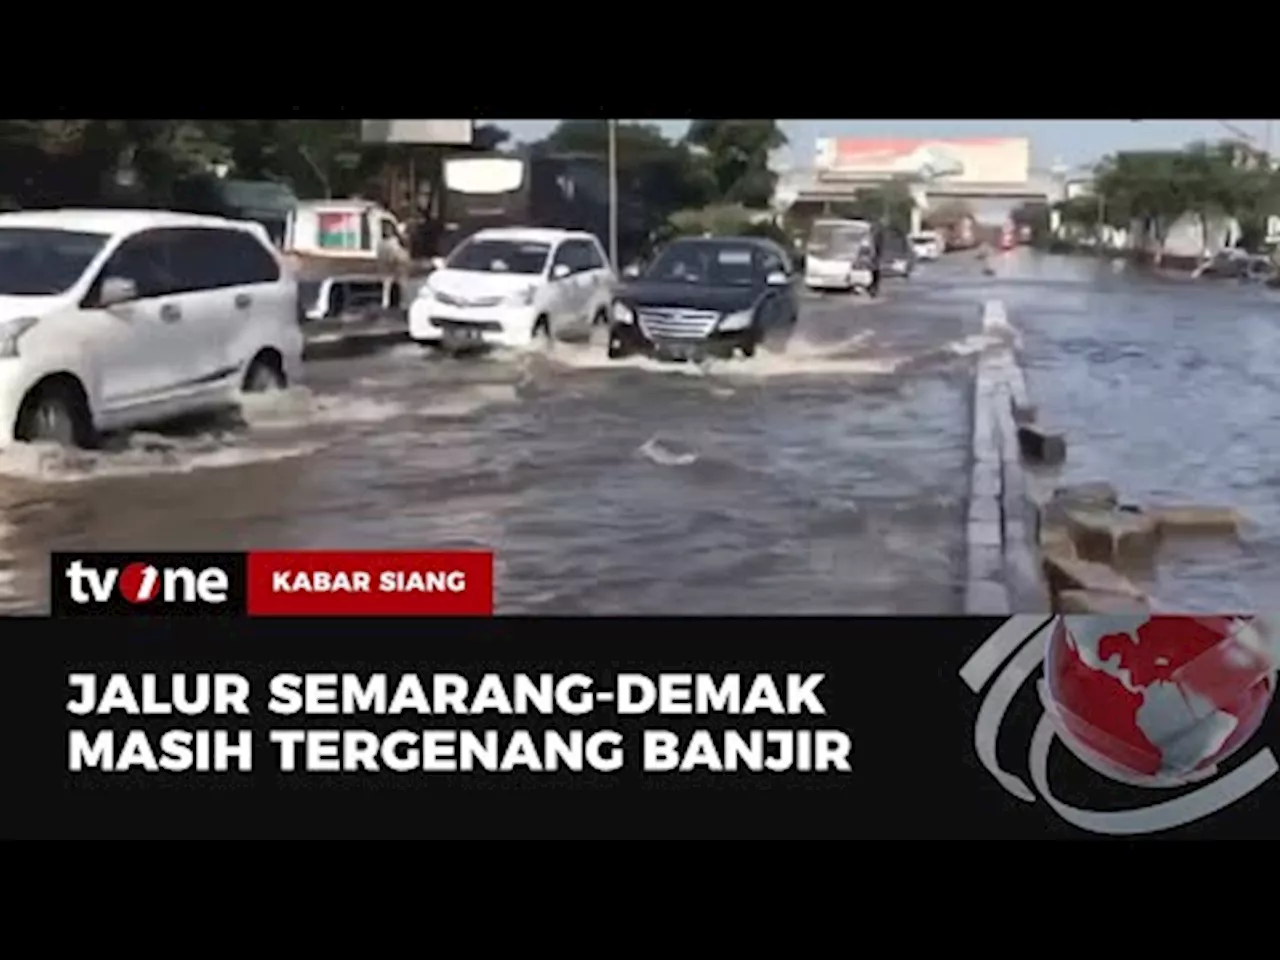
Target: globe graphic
[(1157, 701)]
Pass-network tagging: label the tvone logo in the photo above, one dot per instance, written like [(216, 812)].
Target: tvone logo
[(1191, 717), (143, 583)]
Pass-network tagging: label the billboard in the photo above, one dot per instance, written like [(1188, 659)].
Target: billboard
[(970, 161), (444, 132)]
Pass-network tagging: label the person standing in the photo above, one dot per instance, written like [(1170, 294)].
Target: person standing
[(877, 253)]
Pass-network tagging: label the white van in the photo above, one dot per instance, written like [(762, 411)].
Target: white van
[(112, 319), (839, 255)]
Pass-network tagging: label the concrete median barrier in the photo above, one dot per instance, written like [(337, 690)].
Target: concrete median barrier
[(1084, 601), (1114, 537), (1042, 446), (1003, 574), (1066, 574), (1197, 521)]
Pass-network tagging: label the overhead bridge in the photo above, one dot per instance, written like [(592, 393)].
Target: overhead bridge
[(989, 201)]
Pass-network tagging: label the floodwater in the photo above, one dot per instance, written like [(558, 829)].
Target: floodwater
[(830, 479), (1168, 389)]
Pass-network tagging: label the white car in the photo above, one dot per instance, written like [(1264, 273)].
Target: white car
[(927, 244), (111, 319), (841, 272), (512, 287)]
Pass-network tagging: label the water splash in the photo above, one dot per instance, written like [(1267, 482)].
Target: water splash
[(666, 453), (300, 407), (143, 455)]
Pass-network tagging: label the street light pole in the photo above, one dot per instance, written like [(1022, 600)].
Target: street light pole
[(613, 194)]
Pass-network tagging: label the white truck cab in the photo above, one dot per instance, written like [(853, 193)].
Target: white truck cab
[(347, 255)]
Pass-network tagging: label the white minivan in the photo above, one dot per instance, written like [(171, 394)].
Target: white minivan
[(839, 256), (111, 319), (514, 287)]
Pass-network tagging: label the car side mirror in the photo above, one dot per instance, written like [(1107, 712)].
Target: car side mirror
[(632, 271), (117, 290), (777, 279), (559, 271)]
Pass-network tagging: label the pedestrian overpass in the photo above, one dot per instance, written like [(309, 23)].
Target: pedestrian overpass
[(990, 202)]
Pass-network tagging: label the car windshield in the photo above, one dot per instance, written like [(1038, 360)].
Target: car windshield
[(501, 256), (711, 264), (839, 239), (39, 262)]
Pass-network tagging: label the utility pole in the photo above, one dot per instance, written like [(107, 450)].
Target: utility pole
[(613, 194)]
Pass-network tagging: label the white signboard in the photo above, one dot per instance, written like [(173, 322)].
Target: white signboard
[(1273, 229), (444, 132)]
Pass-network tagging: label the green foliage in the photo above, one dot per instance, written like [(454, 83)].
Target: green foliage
[(721, 164), (737, 153), (1155, 188), (947, 214), (890, 204)]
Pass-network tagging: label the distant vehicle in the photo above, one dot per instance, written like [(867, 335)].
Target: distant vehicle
[(559, 191), (927, 244), (1260, 269), (348, 256), (1229, 264), (706, 297), (513, 287), (962, 234), (112, 319), (897, 258), (839, 255), (1008, 237)]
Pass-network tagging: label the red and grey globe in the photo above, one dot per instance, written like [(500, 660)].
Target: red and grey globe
[(1157, 700)]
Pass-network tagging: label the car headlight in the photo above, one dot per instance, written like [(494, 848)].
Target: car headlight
[(11, 332), (622, 313), (736, 321), (523, 298)]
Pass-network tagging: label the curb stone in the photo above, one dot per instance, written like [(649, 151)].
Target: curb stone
[(1003, 574)]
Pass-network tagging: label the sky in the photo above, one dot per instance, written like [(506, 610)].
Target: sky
[(1073, 142)]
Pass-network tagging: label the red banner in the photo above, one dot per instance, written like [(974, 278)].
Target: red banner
[(370, 584)]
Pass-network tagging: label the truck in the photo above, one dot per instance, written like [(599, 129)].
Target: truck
[(267, 202), (563, 191), (350, 257)]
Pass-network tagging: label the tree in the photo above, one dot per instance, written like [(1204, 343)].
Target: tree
[(490, 136), (1083, 212), (1146, 187), (891, 203), (947, 214), (738, 152), (665, 176)]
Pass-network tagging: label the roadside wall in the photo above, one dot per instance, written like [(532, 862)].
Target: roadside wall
[(1003, 574)]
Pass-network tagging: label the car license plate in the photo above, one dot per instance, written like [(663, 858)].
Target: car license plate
[(463, 334), (678, 351)]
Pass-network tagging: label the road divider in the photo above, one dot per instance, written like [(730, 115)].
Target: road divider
[(1075, 550)]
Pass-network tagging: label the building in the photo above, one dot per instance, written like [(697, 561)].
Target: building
[(992, 175)]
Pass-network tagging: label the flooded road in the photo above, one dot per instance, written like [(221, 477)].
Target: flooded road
[(828, 480), (831, 479), (1168, 389)]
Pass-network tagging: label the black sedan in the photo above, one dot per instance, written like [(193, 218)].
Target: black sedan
[(706, 297)]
